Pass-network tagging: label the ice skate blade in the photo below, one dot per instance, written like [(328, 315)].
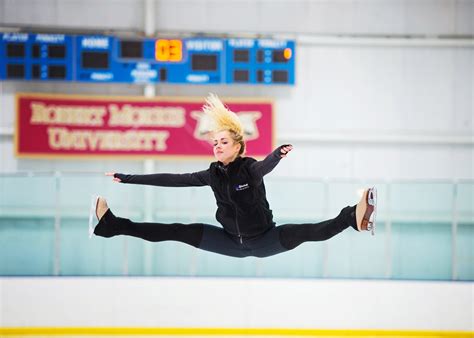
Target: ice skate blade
[(92, 214), (372, 200)]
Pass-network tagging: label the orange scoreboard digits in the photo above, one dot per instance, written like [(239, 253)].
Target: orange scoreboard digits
[(169, 50)]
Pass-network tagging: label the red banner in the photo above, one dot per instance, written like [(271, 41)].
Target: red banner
[(84, 126)]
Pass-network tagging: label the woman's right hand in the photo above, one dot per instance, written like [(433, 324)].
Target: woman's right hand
[(115, 179), (285, 149)]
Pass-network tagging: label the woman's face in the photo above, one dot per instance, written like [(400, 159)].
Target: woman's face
[(225, 149)]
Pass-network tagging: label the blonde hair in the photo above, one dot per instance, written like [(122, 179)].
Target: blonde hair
[(224, 119)]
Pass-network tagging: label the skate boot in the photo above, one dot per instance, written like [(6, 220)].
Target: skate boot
[(97, 211), (366, 211)]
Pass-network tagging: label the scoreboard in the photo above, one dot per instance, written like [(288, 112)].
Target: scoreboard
[(109, 59)]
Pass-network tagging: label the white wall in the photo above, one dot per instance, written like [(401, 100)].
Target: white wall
[(398, 17), (361, 108), (236, 303)]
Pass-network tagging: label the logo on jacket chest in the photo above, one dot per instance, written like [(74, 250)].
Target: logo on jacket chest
[(240, 187)]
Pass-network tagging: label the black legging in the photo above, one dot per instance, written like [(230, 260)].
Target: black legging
[(215, 239)]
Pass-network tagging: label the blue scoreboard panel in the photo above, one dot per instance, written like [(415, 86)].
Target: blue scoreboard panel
[(108, 59)]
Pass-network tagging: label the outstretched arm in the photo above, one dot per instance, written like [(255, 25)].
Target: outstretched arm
[(261, 168), (196, 179)]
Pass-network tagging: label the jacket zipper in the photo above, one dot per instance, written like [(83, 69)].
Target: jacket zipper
[(235, 207)]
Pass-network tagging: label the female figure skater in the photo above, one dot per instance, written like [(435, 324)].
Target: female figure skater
[(242, 208)]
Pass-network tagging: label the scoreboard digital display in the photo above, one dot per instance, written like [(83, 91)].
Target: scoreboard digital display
[(109, 59), (36, 57)]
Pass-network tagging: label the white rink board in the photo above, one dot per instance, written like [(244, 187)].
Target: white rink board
[(236, 303)]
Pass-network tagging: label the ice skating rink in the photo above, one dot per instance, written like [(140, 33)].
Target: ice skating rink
[(368, 92)]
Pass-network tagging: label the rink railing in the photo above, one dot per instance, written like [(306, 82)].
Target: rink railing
[(425, 229)]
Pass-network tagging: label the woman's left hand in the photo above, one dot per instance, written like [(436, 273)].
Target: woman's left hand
[(115, 179), (285, 149)]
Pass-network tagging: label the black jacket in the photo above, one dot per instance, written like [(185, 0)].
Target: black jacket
[(242, 206)]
